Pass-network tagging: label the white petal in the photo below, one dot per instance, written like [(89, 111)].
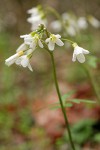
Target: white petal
[(74, 57), (22, 47), (33, 11), (24, 36), (11, 60), (9, 63), (78, 50), (47, 40), (29, 66), (71, 31), (51, 45), (25, 61), (33, 45), (81, 58), (58, 36), (85, 51), (40, 43), (18, 61), (59, 42)]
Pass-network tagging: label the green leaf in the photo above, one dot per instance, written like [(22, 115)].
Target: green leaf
[(75, 101), (57, 105), (65, 96), (68, 105), (82, 100)]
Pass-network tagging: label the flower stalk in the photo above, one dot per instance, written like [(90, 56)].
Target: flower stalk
[(93, 83), (61, 103)]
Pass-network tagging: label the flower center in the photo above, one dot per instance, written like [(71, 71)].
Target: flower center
[(53, 38)]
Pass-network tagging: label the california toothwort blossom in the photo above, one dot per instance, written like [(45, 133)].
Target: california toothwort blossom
[(93, 21), (25, 50), (19, 59), (56, 25), (37, 17), (24, 62), (11, 60), (52, 40), (82, 23), (79, 53)]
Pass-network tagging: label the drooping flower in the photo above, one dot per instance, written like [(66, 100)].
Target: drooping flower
[(52, 40), (79, 53), (24, 62), (19, 59), (11, 60)]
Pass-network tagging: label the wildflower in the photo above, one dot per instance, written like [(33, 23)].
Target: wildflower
[(71, 30), (34, 11), (32, 41), (79, 53), (24, 62), (82, 23), (52, 40), (66, 16), (11, 60), (93, 21), (56, 26), (37, 17)]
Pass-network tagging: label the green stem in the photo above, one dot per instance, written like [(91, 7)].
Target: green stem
[(52, 10), (93, 83), (57, 15), (63, 39), (61, 103)]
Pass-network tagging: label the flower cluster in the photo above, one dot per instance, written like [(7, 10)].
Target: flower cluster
[(37, 17), (25, 51), (72, 24), (31, 42), (36, 39)]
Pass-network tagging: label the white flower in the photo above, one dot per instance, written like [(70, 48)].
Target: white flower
[(71, 30), (34, 11), (24, 62), (66, 16), (11, 60), (37, 17), (79, 53), (94, 22), (36, 21), (56, 26), (52, 40), (82, 23), (32, 41)]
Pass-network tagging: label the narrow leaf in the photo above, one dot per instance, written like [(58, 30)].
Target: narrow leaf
[(65, 96), (68, 105), (82, 100)]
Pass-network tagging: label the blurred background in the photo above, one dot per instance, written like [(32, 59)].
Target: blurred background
[(27, 121)]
